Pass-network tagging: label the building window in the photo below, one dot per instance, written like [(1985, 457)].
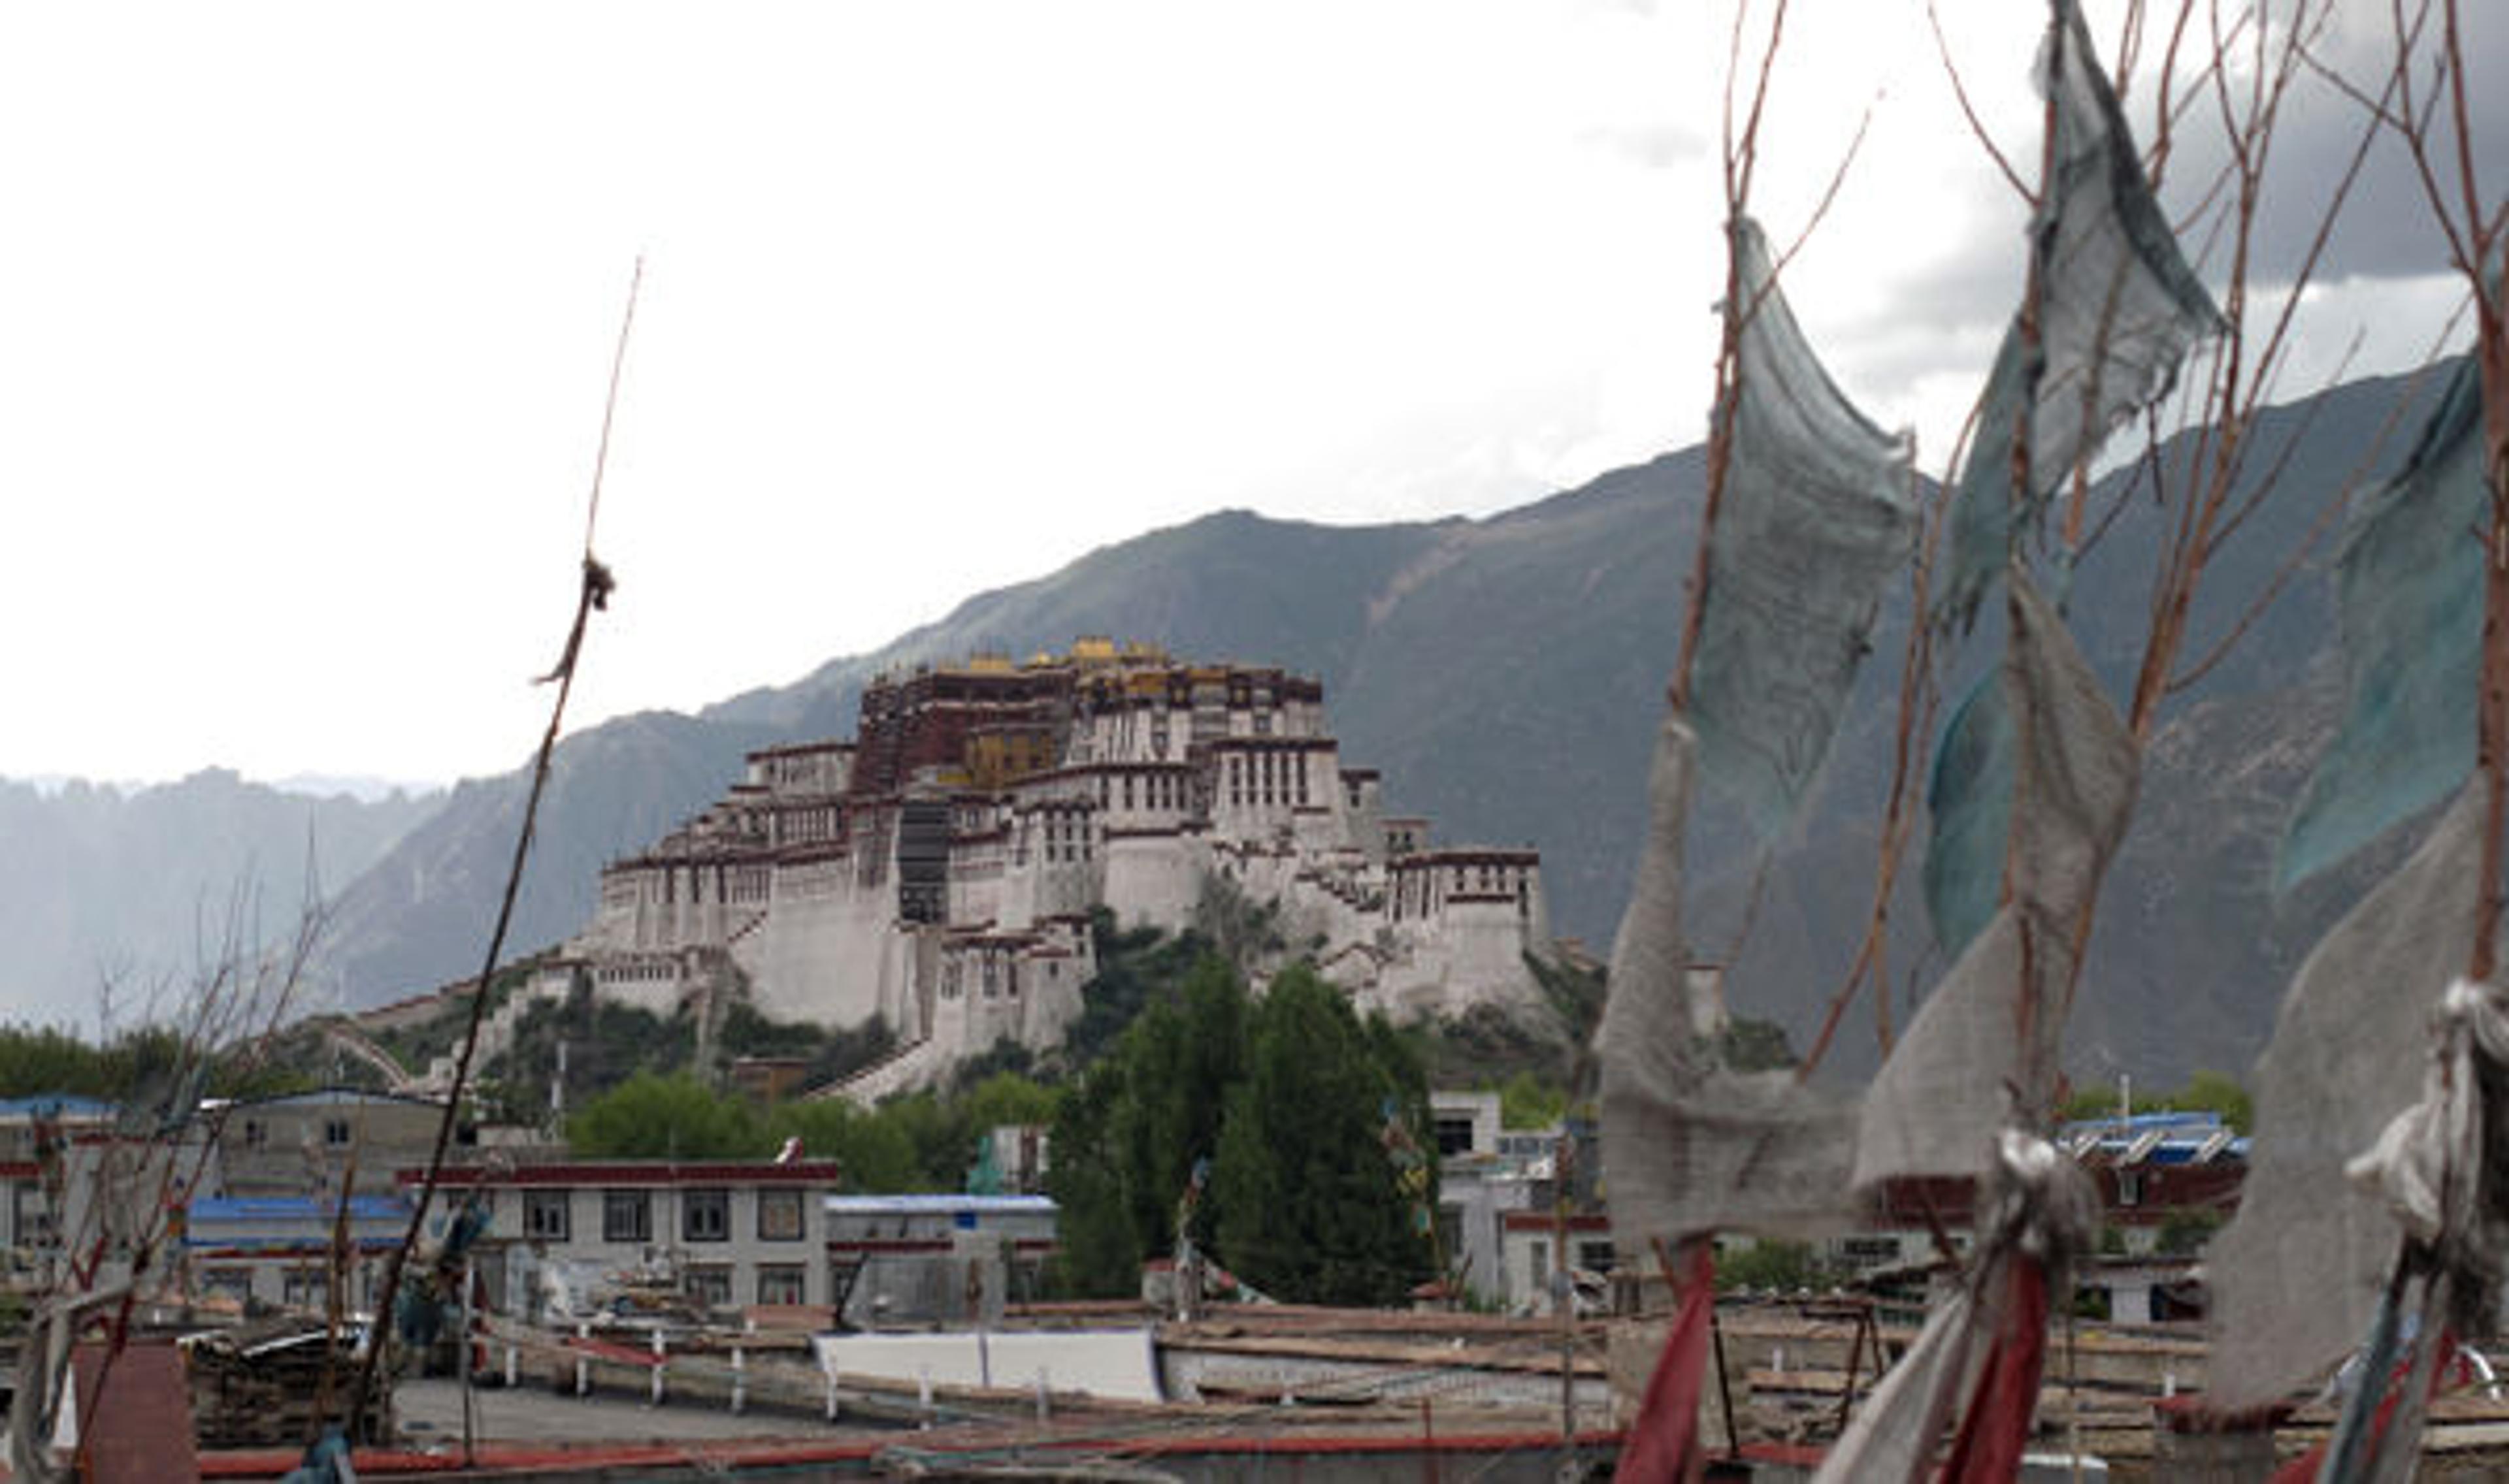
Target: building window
[(709, 1286), (305, 1289), (335, 1132), (1454, 1137), (626, 1215), (779, 1218), (31, 1218), (705, 1216), (545, 1216), (256, 1134), (231, 1283), (780, 1283)]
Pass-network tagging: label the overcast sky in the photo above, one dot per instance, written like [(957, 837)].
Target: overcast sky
[(306, 315)]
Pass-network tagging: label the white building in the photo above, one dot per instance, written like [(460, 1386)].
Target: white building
[(924, 1260), (728, 1232), (939, 871)]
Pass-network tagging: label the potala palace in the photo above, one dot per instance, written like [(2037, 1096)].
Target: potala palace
[(940, 869)]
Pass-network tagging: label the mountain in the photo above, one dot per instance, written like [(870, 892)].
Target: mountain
[(1507, 673), (138, 888), (420, 917)]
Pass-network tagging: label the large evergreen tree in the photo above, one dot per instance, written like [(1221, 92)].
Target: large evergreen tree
[(1124, 1140), (1306, 1195)]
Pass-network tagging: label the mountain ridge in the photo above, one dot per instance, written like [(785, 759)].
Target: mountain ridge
[(1505, 674)]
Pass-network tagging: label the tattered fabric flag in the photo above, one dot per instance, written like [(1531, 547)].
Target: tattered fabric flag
[(1968, 803), (1993, 1026), (2409, 586), (2117, 309), (1893, 1435), (2347, 1056), (1816, 514), (1663, 1443), (1980, 1355), (1689, 1145), (2004, 1406), (2377, 1440)]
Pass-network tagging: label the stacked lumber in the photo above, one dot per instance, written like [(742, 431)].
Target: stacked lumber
[(261, 1386)]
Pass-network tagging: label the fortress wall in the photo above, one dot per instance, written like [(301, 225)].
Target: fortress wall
[(1474, 954), (828, 959), (651, 982), (1153, 879), (975, 881), (1050, 999), (1058, 889)]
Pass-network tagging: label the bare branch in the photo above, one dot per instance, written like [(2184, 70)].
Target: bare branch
[(1959, 91)]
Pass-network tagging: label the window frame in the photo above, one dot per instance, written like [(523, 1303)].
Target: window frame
[(707, 1285), (786, 1202), (616, 1204), (538, 1204), (712, 1199), (796, 1275)]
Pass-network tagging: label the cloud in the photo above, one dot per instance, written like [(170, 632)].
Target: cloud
[(2387, 228), (1652, 146)]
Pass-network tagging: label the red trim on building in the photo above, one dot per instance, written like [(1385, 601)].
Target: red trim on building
[(636, 1172)]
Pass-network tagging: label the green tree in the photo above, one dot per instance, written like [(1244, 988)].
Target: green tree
[(1529, 1101), (1097, 1250), (1126, 1138), (1305, 1193), (874, 1153), (1008, 1097), (1134, 967), (940, 1133), (2220, 1093), (655, 1115), (2205, 1091), (1769, 1263)]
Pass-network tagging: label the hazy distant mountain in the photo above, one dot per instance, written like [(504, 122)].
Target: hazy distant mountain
[(362, 787), (1507, 675), (138, 887), (420, 916)]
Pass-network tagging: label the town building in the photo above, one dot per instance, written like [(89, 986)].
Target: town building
[(325, 1140), (284, 1250), (939, 871), (935, 1259), (1501, 1230), (722, 1232), (52, 1149)]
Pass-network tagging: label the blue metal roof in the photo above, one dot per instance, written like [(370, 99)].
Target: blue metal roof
[(55, 1105), (940, 1205), (295, 1208)]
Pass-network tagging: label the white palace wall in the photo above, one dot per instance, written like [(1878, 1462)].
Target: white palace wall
[(809, 889)]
